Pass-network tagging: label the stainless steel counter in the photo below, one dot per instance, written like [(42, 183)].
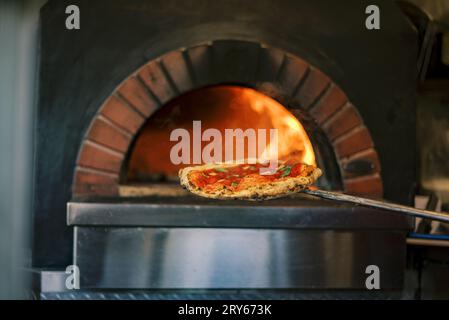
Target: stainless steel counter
[(193, 243), (296, 212)]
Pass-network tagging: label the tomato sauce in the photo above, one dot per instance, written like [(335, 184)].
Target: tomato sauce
[(231, 177)]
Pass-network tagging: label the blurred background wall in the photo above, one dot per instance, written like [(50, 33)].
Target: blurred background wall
[(18, 66), (433, 100)]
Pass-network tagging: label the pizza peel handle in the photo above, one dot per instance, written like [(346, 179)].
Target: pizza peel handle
[(410, 211)]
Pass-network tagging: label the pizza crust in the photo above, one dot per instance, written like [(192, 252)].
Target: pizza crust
[(271, 190)]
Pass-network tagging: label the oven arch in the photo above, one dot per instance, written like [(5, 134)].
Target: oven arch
[(306, 91)]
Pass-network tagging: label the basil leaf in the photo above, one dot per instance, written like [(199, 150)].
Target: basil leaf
[(221, 170), (286, 171), (234, 184)]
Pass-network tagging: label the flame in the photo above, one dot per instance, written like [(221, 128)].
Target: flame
[(219, 107), (293, 141)]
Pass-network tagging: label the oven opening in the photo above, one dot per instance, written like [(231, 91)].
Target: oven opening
[(150, 164)]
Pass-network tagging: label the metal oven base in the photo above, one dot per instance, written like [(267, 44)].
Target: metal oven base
[(50, 285), (218, 258), (288, 244)]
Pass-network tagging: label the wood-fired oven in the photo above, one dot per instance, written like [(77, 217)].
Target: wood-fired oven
[(111, 92)]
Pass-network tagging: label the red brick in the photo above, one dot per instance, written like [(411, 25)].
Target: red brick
[(94, 156), (312, 87), (89, 182), (122, 115), (201, 61), (292, 72), (156, 81), (269, 64), (330, 103), (106, 134), (95, 189), (135, 93), (272, 90), (341, 122), (370, 186), (86, 176), (369, 155), (176, 66), (353, 142)]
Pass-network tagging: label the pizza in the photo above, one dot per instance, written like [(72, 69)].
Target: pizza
[(244, 181)]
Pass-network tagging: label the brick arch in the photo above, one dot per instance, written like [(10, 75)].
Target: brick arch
[(271, 71)]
